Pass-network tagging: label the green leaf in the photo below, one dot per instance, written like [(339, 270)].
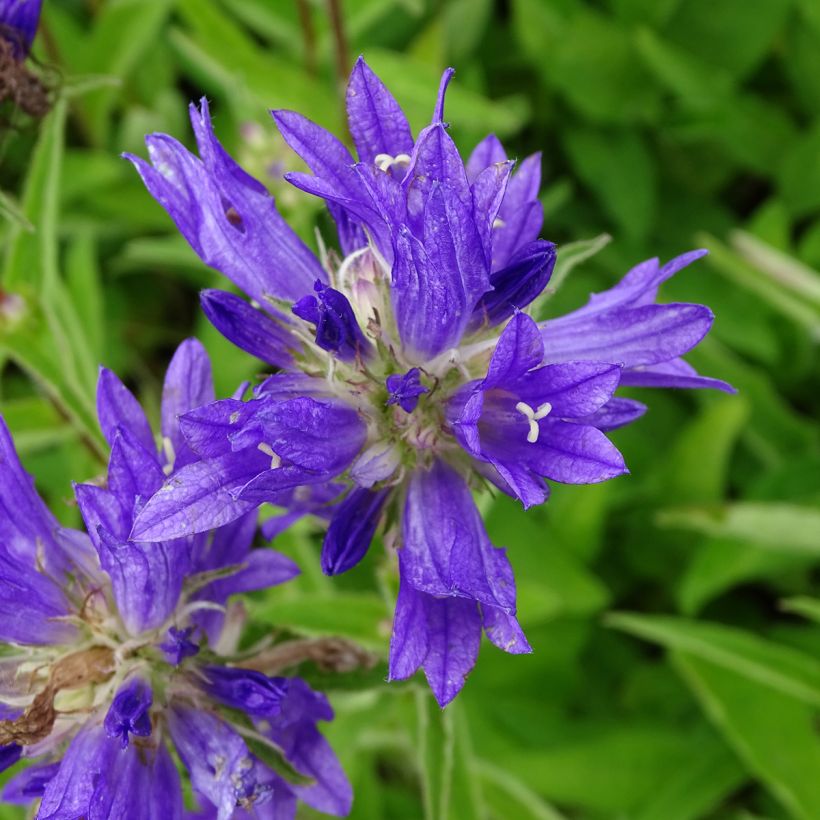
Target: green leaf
[(720, 564), (450, 786), (363, 617), (783, 528), (696, 467), (11, 211), (779, 668), (611, 769), (507, 796), (123, 32), (739, 271), (594, 64), (803, 605), (774, 733), (703, 783), (724, 34), (697, 84), (619, 168), (783, 269), (569, 256)]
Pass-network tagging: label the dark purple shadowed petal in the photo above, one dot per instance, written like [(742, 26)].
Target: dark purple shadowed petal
[(130, 711), (521, 215), (178, 645), (351, 530), (617, 412), (252, 692), (337, 329), (377, 123), (517, 284), (249, 329), (404, 389), (29, 784), (9, 755), (296, 733)]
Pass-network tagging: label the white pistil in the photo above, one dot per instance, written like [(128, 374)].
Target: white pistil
[(275, 461), (385, 161), (533, 417)]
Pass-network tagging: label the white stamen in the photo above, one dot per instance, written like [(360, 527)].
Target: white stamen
[(385, 161), (275, 461), (498, 222), (533, 417)]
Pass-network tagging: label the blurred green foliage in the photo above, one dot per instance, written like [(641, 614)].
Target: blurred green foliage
[(676, 672)]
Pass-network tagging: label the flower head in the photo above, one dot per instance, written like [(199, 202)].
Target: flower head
[(116, 652), (410, 371)]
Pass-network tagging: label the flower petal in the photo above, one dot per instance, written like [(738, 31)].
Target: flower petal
[(644, 335), (249, 329), (199, 497), (377, 123), (351, 530), (117, 407), (445, 549)]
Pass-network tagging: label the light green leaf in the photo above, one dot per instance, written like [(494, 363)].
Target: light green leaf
[(720, 564), (363, 617), (508, 796), (774, 733), (784, 528), (777, 667), (619, 168), (803, 605), (450, 785), (701, 784)]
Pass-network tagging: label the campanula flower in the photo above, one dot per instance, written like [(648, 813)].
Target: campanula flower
[(410, 373), (115, 651)]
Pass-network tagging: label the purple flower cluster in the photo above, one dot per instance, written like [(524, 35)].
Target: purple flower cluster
[(115, 652), (410, 372)]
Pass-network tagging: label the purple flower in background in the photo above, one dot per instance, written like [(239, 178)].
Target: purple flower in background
[(410, 371), (18, 24), (133, 640)]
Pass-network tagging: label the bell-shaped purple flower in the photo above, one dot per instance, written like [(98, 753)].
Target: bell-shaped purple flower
[(420, 376)]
